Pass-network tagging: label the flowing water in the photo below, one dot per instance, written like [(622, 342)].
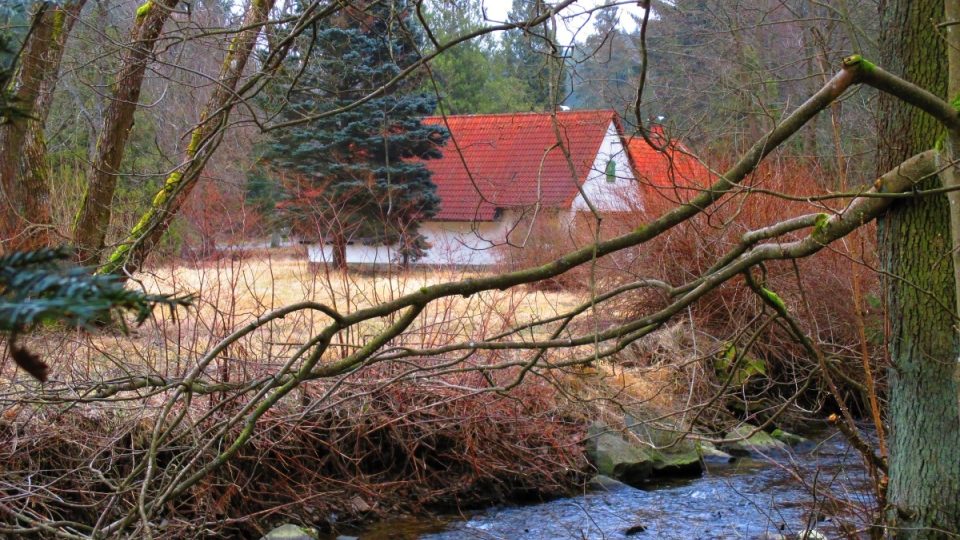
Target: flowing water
[(749, 499)]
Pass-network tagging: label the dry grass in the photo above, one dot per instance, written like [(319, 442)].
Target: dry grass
[(233, 292), (388, 437), (243, 289)]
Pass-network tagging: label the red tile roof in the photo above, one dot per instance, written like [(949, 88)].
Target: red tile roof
[(666, 176), (511, 160)]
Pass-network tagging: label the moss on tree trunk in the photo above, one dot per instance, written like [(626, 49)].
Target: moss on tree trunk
[(24, 193), (915, 243), (93, 218)]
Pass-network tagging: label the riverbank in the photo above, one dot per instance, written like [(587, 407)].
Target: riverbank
[(674, 483), (750, 498)]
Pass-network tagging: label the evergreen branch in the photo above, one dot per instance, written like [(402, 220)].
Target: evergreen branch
[(43, 286)]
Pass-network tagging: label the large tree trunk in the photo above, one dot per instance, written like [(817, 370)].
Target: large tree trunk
[(95, 210), (204, 140), (924, 489), (24, 187)]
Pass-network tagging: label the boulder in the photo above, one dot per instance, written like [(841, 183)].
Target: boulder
[(760, 443), (616, 458), (679, 459), (792, 440), (600, 482), (711, 456), (678, 465), (633, 464), (290, 531)]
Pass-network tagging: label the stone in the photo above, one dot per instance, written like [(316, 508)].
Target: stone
[(600, 482), (758, 444), (678, 465), (633, 464), (711, 456), (616, 458), (679, 459), (359, 505), (290, 531), (792, 440)]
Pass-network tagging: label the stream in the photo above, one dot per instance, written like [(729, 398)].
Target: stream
[(749, 499)]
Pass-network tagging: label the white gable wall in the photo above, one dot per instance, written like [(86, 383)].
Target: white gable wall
[(356, 254), (622, 194)]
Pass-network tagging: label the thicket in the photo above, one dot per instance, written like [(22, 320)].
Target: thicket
[(755, 365)]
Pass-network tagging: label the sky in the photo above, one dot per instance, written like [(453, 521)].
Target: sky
[(577, 24)]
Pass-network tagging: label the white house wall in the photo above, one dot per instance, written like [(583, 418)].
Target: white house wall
[(622, 194), (453, 243), (356, 254), (458, 243)]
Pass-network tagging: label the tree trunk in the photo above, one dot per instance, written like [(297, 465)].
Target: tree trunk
[(951, 175), (95, 210), (924, 489), (339, 245), (24, 188), (204, 140)]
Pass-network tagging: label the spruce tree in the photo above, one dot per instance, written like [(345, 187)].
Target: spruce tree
[(358, 176)]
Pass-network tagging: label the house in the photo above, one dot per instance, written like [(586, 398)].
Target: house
[(667, 172), (501, 169)]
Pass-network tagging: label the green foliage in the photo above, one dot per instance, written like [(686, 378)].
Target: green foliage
[(43, 286), (13, 26), (746, 366), (263, 192), (474, 77), (8, 108), (606, 67), (531, 56), (356, 175), (144, 10)]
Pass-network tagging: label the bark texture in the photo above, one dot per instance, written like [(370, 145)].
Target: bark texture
[(204, 140), (95, 210), (24, 184), (915, 244)]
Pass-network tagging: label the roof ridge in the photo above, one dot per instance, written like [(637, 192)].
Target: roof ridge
[(525, 113)]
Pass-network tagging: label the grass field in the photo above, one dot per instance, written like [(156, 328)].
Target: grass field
[(232, 292)]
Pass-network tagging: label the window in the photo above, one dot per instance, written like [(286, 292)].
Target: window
[(611, 171)]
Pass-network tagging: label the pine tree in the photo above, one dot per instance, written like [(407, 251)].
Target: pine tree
[(358, 176), (606, 68), (472, 77), (534, 57)]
